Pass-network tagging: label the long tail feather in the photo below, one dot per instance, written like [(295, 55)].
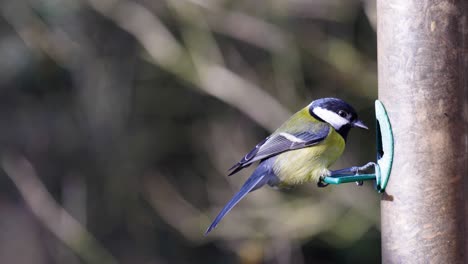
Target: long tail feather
[(254, 182)]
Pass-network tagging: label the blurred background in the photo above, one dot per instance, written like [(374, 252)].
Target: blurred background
[(120, 118)]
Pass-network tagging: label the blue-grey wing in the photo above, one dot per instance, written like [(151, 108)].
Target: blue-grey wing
[(279, 143)]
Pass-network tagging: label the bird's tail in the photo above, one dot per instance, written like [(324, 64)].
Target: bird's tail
[(259, 178)]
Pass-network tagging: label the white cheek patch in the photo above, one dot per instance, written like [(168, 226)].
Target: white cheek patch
[(330, 117)]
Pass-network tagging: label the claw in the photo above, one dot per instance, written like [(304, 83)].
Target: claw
[(321, 184)]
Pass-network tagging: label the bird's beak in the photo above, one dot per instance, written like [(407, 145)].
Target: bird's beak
[(360, 124)]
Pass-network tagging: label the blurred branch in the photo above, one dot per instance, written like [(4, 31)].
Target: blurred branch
[(172, 207), (249, 29), (221, 82), (256, 32), (169, 54), (348, 66), (37, 35), (213, 74), (51, 214)]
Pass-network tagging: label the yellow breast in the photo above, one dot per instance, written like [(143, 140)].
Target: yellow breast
[(308, 164)]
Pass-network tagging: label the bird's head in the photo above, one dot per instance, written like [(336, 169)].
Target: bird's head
[(337, 113)]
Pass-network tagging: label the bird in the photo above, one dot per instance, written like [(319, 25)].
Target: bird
[(301, 150)]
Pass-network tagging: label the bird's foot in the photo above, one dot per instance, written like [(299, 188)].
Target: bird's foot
[(359, 170), (321, 183)]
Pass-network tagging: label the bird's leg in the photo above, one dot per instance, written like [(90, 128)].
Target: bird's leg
[(347, 171), (355, 170), (366, 167)]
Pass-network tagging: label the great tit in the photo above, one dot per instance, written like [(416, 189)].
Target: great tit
[(299, 151)]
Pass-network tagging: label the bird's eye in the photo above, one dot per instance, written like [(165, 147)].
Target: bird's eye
[(342, 113)]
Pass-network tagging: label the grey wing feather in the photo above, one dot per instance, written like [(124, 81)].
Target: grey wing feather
[(279, 143)]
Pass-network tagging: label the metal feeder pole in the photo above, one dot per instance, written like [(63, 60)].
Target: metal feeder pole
[(423, 83)]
